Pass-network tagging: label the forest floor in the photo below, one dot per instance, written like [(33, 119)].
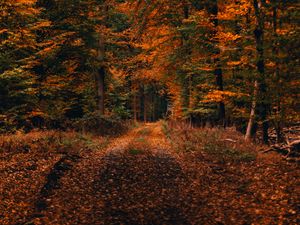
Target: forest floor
[(154, 174)]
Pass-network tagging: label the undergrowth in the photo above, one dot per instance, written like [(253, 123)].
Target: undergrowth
[(50, 142), (219, 144)]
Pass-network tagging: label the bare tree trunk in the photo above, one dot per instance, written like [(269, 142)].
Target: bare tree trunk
[(135, 116), (142, 102), (278, 120), (145, 104), (100, 76), (219, 80), (259, 37), (135, 93), (153, 93), (248, 135), (100, 89), (153, 111)]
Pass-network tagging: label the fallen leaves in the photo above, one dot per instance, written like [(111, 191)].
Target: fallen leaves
[(141, 178)]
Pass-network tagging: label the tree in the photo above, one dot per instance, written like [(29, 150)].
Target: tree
[(85, 34), (213, 9), (259, 37)]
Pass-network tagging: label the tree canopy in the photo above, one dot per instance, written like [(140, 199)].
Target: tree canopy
[(223, 62)]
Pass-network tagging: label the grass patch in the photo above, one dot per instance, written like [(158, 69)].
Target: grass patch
[(144, 132), (134, 151), (225, 153), (141, 140)]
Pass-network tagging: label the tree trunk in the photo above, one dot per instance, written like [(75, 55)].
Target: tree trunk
[(219, 80), (185, 85), (259, 37), (249, 132), (142, 98), (135, 110), (145, 105), (278, 120), (213, 9), (153, 95), (100, 77), (100, 89)]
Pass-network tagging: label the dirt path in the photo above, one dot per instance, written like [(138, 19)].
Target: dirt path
[(149, 135), (133, 181)]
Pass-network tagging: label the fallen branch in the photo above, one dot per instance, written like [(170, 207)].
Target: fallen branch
[(291, 148), (230, 140)]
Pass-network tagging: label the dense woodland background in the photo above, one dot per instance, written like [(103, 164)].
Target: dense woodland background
[(66, 63)]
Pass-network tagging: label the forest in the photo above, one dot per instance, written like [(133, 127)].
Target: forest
[(149, 112)]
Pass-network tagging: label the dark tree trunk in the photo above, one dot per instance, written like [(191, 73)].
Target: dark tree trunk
[(278, 120), (135, 104), (142, 102), (219, 80), (213, 10), (259, 37), (185, 84), (145, 105), (100, 73), (100, 89)]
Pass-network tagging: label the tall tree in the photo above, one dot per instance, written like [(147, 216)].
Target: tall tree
[(259, 37), (213, 10)]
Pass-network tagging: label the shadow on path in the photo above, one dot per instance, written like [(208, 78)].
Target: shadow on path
[(142, 189)]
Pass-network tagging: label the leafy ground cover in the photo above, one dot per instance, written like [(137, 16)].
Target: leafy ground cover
[(154, 174), (231, 182), (31, 166)]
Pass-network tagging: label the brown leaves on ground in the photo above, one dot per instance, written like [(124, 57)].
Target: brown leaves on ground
[(25, 163), (232, 183), (155, 174)]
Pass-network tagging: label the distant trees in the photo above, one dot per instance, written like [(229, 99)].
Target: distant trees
[(237, 42)]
